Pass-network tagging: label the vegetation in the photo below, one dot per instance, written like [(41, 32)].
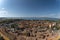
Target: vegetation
[(14, 25), (1, 38), (58, 39), (55, 28)]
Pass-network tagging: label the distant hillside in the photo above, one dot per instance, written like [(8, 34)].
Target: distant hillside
[(30, 18), (39, 18)]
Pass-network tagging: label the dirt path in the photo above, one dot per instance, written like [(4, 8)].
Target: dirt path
[(5, 37)]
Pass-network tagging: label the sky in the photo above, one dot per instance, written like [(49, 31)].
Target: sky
[(30, 8)]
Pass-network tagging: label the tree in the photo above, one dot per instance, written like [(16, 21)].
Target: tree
[(14, 26)]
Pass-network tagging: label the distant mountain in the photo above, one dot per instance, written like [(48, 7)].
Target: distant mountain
[(30, 18), (39, 18)]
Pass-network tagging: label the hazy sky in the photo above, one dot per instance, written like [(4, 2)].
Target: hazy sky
[(30, 8)]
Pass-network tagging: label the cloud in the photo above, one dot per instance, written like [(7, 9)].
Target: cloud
[(3, 12), (3, 8), (52, 15)]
